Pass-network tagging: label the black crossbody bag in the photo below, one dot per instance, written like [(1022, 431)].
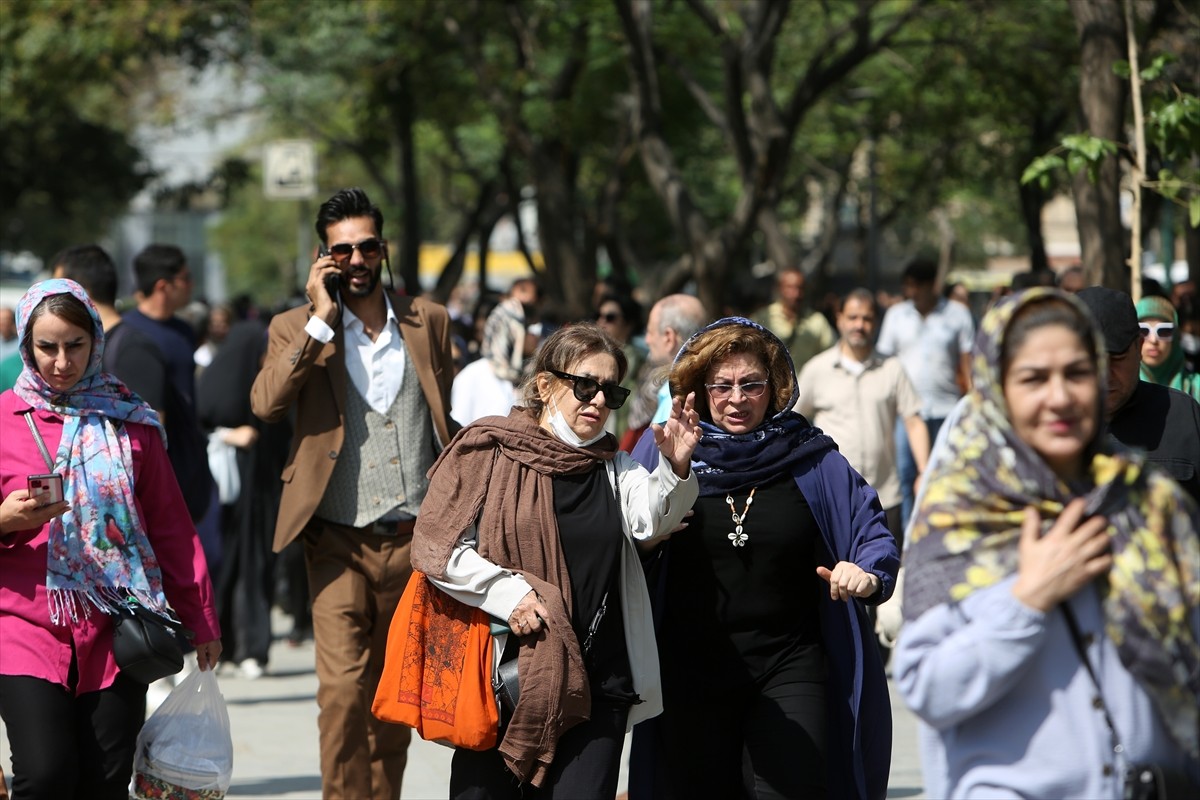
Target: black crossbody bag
[(145, 645), (1143, 781)]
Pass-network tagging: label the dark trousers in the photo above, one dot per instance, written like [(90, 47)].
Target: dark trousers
[(65, 746), (767, 742), (906, 464), (586, 766)]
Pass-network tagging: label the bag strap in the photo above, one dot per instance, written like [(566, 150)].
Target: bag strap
[(1081, 649), (37, 437), (586, 646)]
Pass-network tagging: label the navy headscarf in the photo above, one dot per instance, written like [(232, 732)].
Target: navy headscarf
[(728, 462)]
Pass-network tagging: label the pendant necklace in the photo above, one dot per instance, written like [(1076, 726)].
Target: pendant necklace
[(738, 538)]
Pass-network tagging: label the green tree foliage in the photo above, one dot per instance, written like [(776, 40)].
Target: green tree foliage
[(68, 75)]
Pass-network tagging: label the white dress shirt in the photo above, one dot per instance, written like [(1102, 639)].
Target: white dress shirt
[(375, 368)]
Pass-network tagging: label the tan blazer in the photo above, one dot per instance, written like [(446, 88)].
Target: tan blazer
[(300, 370)]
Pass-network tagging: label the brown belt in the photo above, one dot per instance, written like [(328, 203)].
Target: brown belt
[(400, 528)]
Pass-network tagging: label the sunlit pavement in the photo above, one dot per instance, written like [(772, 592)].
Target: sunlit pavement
[(274, 722)]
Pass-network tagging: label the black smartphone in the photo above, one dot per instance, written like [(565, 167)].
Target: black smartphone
[(47, 489), (332, 282)]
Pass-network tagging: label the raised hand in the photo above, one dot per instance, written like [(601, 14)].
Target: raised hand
[(678, 436)]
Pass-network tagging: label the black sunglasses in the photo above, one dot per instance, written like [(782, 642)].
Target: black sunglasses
[(370, 248), (586, 388), (610, 317)]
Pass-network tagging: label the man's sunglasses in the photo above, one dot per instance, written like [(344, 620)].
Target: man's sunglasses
[(586, 388), (1163, 331), (343, 252)]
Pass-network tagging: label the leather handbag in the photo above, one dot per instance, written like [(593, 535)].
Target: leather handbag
[(145, 645), (437, 670)]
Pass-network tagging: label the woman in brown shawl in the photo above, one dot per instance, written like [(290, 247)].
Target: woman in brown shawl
[(534, 517)]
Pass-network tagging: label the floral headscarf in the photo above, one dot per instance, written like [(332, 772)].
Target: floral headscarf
[(965, 534), (97, 551), (1174, 371)]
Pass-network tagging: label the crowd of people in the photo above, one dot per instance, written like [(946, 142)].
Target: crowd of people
[(691, 523)]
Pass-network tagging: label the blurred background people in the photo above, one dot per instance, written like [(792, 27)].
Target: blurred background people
[(855, 396), (8, 332), (1031, 526), (216, 328), (488, 385), (772, 683), (121, 531), (804, 331), (672, 322), (164, 284), (620, 316), (932, 338), (535, 517), (246, 457), (1161, 422), (1162, 360)]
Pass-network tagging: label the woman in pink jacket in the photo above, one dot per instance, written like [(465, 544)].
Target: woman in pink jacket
[(121, 530)]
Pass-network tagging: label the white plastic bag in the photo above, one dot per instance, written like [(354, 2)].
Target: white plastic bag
[(185, 751), (222, 463)]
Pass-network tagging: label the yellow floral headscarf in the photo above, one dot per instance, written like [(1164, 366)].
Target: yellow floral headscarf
[(964, 536)]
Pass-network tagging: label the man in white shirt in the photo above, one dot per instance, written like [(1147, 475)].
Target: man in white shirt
[(932, 337), (855, 395), (368, 375)]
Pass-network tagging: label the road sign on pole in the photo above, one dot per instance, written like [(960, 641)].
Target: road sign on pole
[(290, 169)]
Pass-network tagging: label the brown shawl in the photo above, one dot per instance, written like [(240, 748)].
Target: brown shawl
[(498, 471)]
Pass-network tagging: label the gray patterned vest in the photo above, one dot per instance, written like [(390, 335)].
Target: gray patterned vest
[(384, 459)]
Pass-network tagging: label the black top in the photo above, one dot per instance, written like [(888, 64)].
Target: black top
[(591, 534), (741, 612), (1165, 423)]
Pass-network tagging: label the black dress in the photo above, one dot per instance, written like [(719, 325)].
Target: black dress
[(743, 667)]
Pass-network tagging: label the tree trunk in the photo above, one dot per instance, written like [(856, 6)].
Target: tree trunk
[(1033, 199), (1101, 28), (404, 117), (565, 273)]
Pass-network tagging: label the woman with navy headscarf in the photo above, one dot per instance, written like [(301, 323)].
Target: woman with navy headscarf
[(772, 683), (121, 531)]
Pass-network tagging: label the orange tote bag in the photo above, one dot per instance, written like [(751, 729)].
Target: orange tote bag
[(437, 672)]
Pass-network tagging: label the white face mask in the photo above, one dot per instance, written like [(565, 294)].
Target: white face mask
[(558, 424), (1190, 343)]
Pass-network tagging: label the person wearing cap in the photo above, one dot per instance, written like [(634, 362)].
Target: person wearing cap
[(1163, 422), (1162, 361)]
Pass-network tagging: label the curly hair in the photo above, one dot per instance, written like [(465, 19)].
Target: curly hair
[(712, 347), (565, 348)]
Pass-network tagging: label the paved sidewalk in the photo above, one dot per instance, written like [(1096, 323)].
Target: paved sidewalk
[(274, 722)]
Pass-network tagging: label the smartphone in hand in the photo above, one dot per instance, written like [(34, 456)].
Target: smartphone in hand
[(46, 489), (332, 282)]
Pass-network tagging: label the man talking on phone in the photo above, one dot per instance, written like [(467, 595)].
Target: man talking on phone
[(369, 375)]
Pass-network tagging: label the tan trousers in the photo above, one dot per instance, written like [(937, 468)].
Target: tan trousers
[(356, 577)]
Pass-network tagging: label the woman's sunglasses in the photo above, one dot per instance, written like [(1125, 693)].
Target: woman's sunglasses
[(1163, 331), (586, 388), (611, 317), (370, 248)]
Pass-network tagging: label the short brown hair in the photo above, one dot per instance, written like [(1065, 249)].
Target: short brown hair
[(717, 344), (567, 346)]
